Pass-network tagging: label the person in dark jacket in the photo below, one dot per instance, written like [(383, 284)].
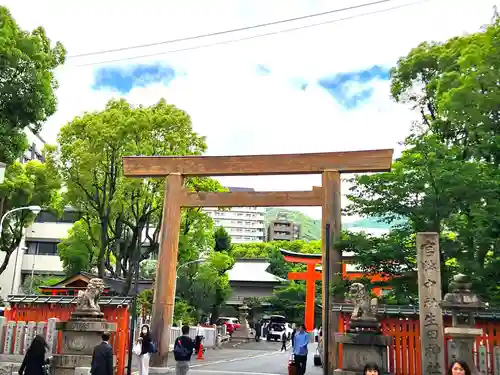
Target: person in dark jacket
[(102, 358), (258, 331), (146, 350), (284, 339), (183, 350), (34, 360)]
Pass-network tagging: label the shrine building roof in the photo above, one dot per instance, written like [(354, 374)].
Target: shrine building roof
[(253, 270)]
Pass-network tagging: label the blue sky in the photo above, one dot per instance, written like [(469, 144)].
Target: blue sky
[(349, 89), (321, 88)]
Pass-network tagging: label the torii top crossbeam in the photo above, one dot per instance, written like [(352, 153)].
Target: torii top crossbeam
[(251, 165)]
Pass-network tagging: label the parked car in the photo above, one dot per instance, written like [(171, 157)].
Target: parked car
[(230, 323), (277, 326)]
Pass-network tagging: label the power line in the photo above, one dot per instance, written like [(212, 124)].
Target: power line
[(231, 30), (253, 36)]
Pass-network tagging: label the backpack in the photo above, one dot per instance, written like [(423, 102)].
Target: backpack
[(154, 348), (180, 350)]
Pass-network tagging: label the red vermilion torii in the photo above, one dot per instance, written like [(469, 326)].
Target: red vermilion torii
[(310, 276)]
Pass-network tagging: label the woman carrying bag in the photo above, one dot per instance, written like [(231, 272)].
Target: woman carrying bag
[(34, 362), (143, 349)]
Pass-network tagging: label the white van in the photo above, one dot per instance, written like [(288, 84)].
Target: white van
[(277, 326)]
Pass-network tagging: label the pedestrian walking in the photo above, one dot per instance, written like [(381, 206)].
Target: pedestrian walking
[(300, 342), (183, 350), (102, 358), (294, 332), (34, 361), (143, 349), (258, 331), (200, 335), (283, 341), (316, 334)]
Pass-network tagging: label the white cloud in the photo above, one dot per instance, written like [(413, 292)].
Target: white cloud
[(238, 111)]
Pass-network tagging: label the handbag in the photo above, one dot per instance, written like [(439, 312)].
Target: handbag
[(137, 349)]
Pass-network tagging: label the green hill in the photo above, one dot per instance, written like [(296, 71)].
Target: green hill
[(310, 229)]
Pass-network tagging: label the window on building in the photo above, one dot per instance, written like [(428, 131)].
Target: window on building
[(42, 248), (49, 217)]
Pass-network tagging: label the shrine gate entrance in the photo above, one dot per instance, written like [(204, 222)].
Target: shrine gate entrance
[(175, 168)]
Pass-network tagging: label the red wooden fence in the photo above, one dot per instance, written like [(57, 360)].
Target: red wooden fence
[(404, 354), (113, 314)]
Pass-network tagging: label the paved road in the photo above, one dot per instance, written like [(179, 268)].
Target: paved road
[(253, 362)]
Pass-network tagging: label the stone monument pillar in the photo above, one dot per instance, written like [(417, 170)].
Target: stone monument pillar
[(463, 303), (429, 295), (242, 334), (363, 341), (82, 332)]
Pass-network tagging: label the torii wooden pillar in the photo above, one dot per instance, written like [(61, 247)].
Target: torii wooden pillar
[(173, 169)]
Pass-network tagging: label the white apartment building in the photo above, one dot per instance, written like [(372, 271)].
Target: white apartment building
[(244, 224), (37, 253)]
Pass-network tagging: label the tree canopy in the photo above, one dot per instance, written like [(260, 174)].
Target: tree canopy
[(30, 184), (121, 217), (447, 179), (27, 83)]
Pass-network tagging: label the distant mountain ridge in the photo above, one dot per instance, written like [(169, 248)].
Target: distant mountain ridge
[(311, 228)]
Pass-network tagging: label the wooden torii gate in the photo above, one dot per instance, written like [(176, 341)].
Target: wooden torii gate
[(174, 168)]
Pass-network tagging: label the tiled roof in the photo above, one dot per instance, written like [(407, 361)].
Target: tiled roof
[(252, 270)]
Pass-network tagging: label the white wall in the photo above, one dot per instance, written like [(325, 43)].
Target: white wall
[(48, 231), (10, 279)]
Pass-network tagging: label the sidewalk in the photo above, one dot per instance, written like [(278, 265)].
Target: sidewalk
[(211, 355)]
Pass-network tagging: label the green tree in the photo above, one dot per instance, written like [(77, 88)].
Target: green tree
[(78, 250), (289, 301), (271, 251), (223, 261), (33, 183), (32, 284), (27, 83), (447, 179), (128, 211)]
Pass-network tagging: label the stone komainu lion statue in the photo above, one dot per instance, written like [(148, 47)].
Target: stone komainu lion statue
[(364, 307), (88, 299)]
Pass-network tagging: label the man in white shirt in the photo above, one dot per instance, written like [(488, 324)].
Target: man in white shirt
[(316, 334)]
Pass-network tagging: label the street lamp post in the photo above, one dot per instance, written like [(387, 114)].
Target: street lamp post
[(36, 210), (133, 317), (200, 260)]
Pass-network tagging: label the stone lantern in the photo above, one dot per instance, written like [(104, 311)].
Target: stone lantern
[(463, 304), (243, 333)]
